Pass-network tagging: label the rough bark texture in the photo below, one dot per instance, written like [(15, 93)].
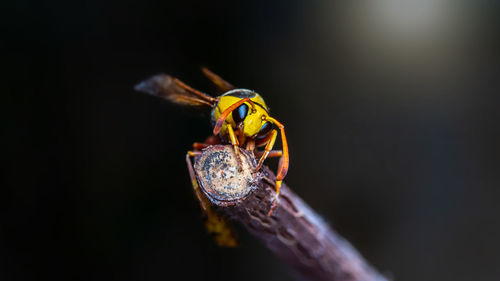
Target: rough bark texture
[(293, 232)]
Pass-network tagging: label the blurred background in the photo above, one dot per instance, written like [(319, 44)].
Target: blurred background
[(390, 107)]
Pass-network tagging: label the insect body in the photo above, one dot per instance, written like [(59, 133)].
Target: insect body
[(239, 116), (243, 116)]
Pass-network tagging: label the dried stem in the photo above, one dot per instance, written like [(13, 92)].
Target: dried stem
[(294, 232)]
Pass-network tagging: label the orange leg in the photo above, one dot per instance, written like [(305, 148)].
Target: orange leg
[(200, 145), (269, 146), (201, 198), (234, 141), (284, 161), (211, 140), (283, 168), (241, 135), (271, 154)]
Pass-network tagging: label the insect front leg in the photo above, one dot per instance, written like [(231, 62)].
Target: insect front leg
[(271, 139), (284, 161), (269, 147), (194, 182), (234, 141)]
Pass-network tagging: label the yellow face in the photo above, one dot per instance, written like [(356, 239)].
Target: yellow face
[(253, 117)]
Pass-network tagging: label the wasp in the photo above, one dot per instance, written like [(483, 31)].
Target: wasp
[(239, 117)]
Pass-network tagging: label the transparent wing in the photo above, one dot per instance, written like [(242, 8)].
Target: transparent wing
[(222, 84), (174, 90)]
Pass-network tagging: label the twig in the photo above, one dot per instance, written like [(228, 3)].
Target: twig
[(294, 232)]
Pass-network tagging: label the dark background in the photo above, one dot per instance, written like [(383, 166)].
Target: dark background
[(391, 111)]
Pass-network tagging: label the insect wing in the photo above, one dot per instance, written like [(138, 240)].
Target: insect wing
[(222, 84), (174, 90)]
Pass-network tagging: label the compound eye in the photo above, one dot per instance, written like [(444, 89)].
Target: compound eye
[(264, 130), (240, 113)]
